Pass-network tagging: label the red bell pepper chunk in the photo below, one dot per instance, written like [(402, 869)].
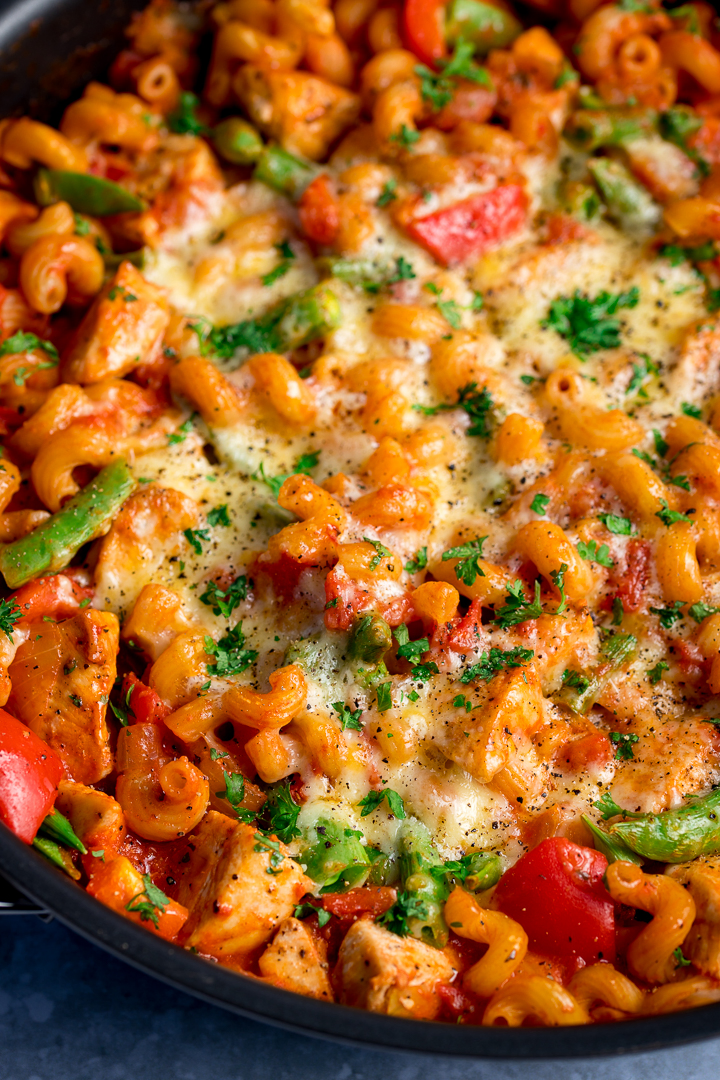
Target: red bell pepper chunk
[(58, 596), (144, 705), (423, 29), (472, 226), (319, 211), (29, 775), (557, 895)]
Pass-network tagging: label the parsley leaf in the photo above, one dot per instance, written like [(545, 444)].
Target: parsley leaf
[(373, 799), (680, 959), (235, 793), (230, 656), (185, 428), (476, 403), (575, 679), (183, 119), (418, 563), (407, 906), (655, 673), (218, 516), (540, 503), (303, 911), (469, 554), (194, 536), (282, 267), (264, 845), (406, 136), (620, 526), (9, 615), (388, 193), (279, 813), (700, 611), (588, 324), (381, 553), (450, 312), (592, 553), (669, 615), (304, 464), (224, 601), (691, 410), (668, 516), (384, 696), (21, 342), (409, 650), (490, 664), (623, 744), (153, 906), (349, 718), (517, 609)]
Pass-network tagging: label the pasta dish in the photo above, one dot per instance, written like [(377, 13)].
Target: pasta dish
[(360, 499)]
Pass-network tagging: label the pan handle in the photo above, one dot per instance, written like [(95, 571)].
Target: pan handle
[(13, 902)]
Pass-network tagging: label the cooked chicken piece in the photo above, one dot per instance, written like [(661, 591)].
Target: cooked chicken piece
[(702, 878), (388, 974), (239, 886), (294, 961), (61, 678), (97, 818)]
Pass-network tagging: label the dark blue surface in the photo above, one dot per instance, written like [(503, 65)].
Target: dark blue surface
[(68, 1011)]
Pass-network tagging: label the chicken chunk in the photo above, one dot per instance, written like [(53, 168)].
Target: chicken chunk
[(123, 328), (97, 818), (238, 885), (702, 945), (294, 961), (61, 681), (388, 974)]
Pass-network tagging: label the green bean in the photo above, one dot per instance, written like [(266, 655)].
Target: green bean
[(591, 129), (86, 194), (418, 860), (334, 857), (485, 25), (626, 199), (357, 271), (56, 855), (370, 639), (581, 689), (674, 836), (53, 544), (581, 200), (295, 321), (614, 850), (237, 141), (57, 827), (476, 872), (284, 172)]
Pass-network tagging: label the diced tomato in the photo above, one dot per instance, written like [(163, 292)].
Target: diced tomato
[(556, 894), (423, 29), (118, 885), (284, 574), (458, 1005), (58, 596), (367, 900), (562, 229), (464, 633), (472, 226), (588, 754), (143, 704), (319, 211), (29, 775), (631, 582), (471, 101)]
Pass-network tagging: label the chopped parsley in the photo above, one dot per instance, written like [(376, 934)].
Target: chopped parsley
[(183, 119), (22, 342), (669, 615), (620, 526), (476, 403), (215, 755), (677, 125), (178, 436), (388, 193), (279, 813), (303, 465), (623, 745), (265, 845), (150, 903), (218, 516), (668, 516), (592, 553), (680, 959), (438, 88), (381, 552), (691, 410), (700, 611), (303, 911), (9, 615), (468, 568), (373, 799), (655, 673), (643, 369), (287, 256), (588, 324), (490, 664), (234, 792), (384, 696), (123, 713), (224, 601), (517, 608), (407, 649), (406, 136), (576, 680), (450, 311), (194, 536), (349, 718), (418, 563), (618, 611), (230, 656), (540, 503), (407, 906)]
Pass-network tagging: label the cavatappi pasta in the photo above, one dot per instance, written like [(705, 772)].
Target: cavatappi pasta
[(360, 499)]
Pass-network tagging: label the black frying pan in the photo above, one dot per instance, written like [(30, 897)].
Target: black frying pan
[(48, 50)]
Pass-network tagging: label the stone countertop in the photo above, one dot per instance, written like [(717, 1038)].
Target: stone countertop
[(68, 1011)]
